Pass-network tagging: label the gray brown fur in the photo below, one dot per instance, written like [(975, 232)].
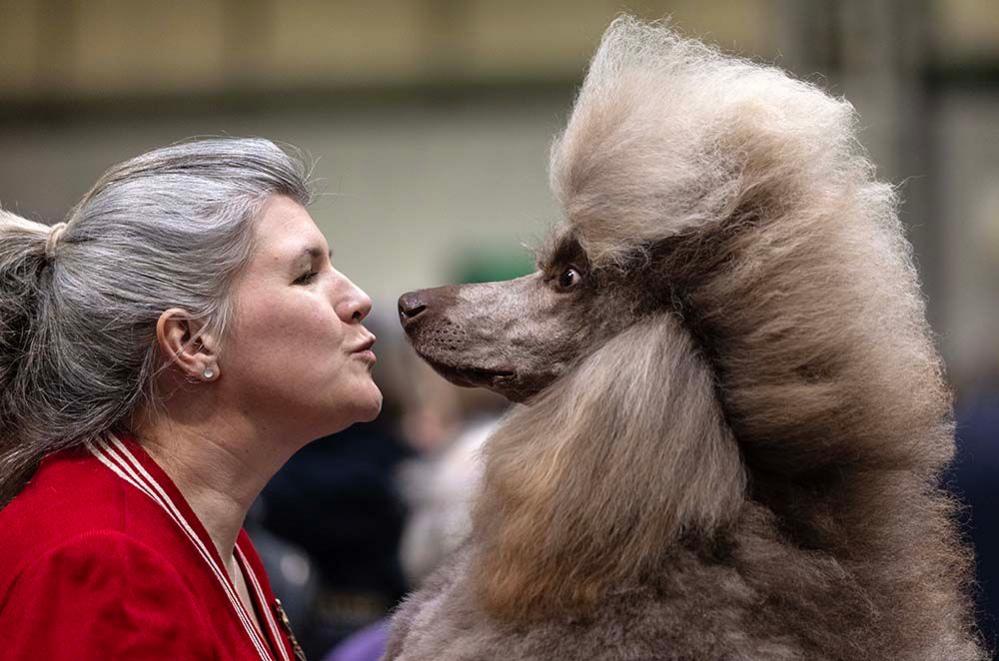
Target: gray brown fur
[(736, 417)]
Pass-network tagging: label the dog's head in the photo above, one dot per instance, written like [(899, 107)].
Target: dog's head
[(517, 337)]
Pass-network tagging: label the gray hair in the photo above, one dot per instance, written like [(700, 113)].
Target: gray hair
[(169, 228)]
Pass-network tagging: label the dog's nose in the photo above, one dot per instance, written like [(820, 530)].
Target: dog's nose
[(411, 305)]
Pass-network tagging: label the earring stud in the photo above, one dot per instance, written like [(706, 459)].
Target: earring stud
[(208, 373)]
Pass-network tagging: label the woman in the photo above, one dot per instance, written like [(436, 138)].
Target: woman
[(162, 354)]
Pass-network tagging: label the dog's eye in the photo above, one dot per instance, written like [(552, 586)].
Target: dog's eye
[(569, 278)]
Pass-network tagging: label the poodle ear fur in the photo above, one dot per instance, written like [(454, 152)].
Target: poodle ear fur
[(589, 486)]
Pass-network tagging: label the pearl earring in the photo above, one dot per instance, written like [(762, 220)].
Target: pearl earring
[(208, 373)]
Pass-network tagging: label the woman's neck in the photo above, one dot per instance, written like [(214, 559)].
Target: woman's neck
[(219, 468)]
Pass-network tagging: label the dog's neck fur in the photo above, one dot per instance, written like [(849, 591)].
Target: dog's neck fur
[(591, 485)]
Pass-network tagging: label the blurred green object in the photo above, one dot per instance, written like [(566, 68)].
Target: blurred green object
[(492, 265)]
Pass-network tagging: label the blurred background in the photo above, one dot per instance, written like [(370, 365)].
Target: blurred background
[(430, 122)]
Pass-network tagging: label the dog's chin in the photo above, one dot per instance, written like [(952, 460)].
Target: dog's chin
[(468, 376), (505, 382)]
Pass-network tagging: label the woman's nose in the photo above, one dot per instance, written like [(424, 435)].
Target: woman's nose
[(356, 305)]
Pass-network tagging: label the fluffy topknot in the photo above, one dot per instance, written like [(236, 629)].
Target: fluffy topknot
[(667, 136), (785, 254)]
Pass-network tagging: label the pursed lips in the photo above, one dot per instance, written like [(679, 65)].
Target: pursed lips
[(363, 350), (365, 345)]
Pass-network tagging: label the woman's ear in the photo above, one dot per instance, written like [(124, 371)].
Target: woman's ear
[(183, 340)]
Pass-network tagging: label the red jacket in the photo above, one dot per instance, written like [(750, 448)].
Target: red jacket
[(102, 558)]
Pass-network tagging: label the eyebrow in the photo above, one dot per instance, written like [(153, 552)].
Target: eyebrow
[(308, 253), (314, 252), (560, 250)]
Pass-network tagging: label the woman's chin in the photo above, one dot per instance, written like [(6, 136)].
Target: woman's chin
[(370, 406), (363, 406), (373, 410)]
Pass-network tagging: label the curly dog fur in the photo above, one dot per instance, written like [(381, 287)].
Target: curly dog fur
[(734, 453)]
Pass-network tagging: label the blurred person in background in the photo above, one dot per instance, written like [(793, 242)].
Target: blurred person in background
[(446, 427), (439, 489), (337, 501), (163, 353), (972, 478)]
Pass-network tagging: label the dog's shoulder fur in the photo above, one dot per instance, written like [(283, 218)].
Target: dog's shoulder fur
[(790, 607), (445, 621)]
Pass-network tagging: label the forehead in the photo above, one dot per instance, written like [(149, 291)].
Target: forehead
[(284, 228)]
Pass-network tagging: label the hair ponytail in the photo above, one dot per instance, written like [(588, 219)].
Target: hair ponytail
[(22, 264), (22, 260)]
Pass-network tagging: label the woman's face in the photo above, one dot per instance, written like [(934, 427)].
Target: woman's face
[(297, 356)]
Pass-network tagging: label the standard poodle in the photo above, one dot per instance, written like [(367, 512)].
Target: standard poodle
[(734, 415)]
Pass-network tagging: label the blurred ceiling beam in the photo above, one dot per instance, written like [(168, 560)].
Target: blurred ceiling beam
[(62, 50)]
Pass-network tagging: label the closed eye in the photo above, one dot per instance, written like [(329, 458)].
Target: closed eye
[(307, 278)]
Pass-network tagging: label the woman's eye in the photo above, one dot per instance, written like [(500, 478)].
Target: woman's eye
[(569, 278), (307, 278)]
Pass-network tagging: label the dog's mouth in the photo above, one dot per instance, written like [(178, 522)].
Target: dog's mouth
[(471, 377), (510, 384)]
